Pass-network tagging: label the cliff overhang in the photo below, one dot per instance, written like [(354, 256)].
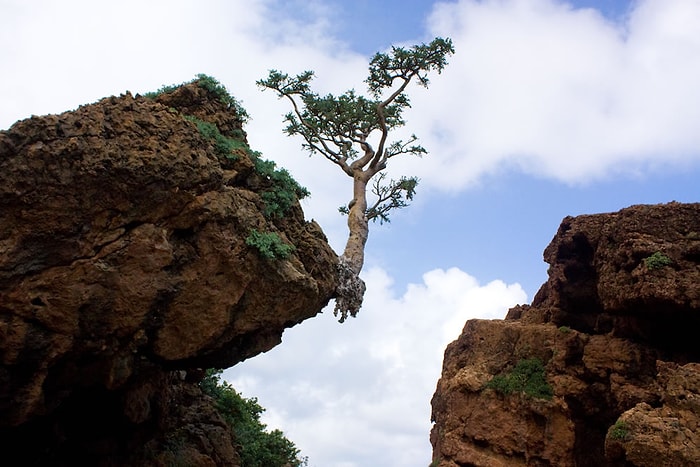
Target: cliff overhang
[(127, 267)]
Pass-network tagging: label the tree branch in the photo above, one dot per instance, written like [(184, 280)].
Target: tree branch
[(395, 195)]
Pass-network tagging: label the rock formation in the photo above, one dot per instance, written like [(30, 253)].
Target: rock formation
[(615, 329), (125, 270)]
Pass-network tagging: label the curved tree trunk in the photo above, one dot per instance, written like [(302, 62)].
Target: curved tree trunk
[(358, 226), (351, 289)]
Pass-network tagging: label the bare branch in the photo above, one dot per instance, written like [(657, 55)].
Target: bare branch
[(395, 195)]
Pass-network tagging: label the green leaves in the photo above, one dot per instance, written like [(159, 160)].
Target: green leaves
[(332, 125), (657, 261), (405, 64), (213, 86), (283, 192), (223, 146), (528, 377), (258, 447), (340, 127), (394, 195), (619, 431), (284, 85), (269, 245)]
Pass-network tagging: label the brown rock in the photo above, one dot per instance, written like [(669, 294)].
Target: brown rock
[(123, 259), (666, 435), (615, 331)]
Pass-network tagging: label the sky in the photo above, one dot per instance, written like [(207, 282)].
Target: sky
[(548, 108)]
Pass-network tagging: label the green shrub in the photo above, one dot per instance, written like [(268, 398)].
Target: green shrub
[(215, 87), (222, 145), (619, 431), (564, 329), (285, 191), (269, 245), (258, 446), (527, 377), (165, 89), (657, 261)]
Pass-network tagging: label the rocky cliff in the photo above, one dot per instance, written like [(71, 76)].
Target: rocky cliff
[(602, 369), (127, 266)]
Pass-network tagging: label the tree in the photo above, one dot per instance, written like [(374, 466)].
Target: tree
[(352, 131)]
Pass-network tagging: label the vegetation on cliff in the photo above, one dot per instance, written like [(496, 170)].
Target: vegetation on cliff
[(283, 191), (527, 377), (258, 447), (607, 350)]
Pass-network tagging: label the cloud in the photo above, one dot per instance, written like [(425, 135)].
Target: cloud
[(540, 87), (359, 394), (535, 86)]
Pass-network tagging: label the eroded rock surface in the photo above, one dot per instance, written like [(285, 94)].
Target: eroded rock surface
[(616, 328), (124, 269)]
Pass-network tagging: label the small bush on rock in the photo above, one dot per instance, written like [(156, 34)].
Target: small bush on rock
[(619, 431), (285, 191), (219, 90), (213, 86), (222, 145), (527, 377), (657, 261), (269, 245)]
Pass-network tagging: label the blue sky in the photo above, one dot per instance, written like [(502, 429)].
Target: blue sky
[(548, 109)]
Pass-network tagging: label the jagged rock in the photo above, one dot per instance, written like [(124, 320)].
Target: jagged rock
[(124, 266), (615, 326), (666, 435)]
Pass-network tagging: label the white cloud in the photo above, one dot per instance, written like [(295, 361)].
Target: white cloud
[(538, 86), (359, 394), (535, 85)]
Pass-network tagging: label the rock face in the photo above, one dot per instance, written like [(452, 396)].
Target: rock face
[(124, 269), (615, 328)]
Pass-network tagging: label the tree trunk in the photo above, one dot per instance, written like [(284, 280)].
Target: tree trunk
[(351, 289), (354, 253)]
